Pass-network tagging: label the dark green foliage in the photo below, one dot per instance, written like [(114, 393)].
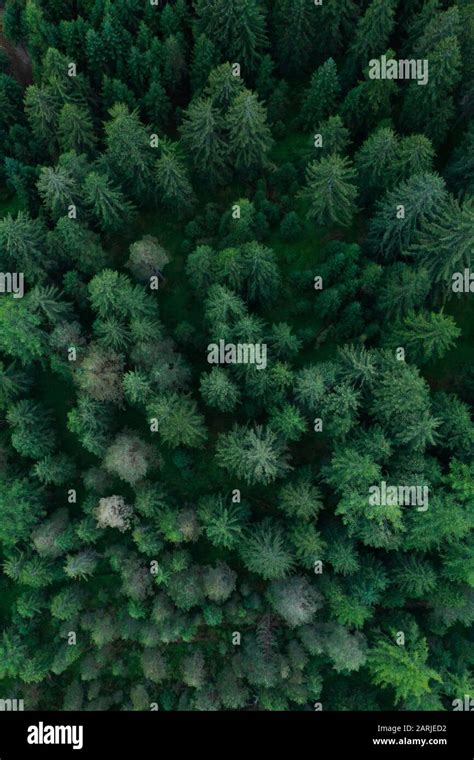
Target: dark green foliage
[(236, 381), (330, 191)]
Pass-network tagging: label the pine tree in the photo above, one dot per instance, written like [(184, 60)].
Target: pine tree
[(22, 244), (13, 21), (179, 422), (405, 288), (430, 108), (300, 499), (157, 105), (249, 135), (321, 97), (426, 335), (223, 87), (374, 29), (75, 129), (222, 306), (72, 241), (401, 404), (108, 205), (456, 429), (330, 191), (21, 336), (255, 455), (460, 171), (21, 508), (57, 469), (415, 577), (68, 603), (443, 246), (204, 59), (42, 110), (236, 27), (57, 190), (295, 28), (175, 69), (219, 391), (128, 155), (416, 156), (264, 551), (223, 521), (403, 668), (403, 211), (202, 135), (334, 136), (32, 435), (261, 272), (13, 382), (82, 565), (376, 161), (173, 184), (335, 24)]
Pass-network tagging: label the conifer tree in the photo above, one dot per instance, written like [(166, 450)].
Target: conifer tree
[(128, 155), (218, 390), (321, 97), (264, 551), (173, 185), (426, 335), (237, 28), (256, 455), (403, 211), (403, 668), (374, 29), (204, 59), (223, 87), (75, 129), (330, 191), (57, 189), (108, 205), (295, 27), (249, 134), (444, 245), (431, 108), (179, 422), (202, 135)]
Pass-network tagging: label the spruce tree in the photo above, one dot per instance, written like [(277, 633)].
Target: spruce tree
[(330, 191), (237, 28), (202, 135), (321, 97), (250, 138)]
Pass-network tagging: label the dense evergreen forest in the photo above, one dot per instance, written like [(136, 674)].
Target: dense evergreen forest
[(236, 354)]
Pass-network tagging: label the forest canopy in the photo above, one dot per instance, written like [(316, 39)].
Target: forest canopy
[(236, 354)]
